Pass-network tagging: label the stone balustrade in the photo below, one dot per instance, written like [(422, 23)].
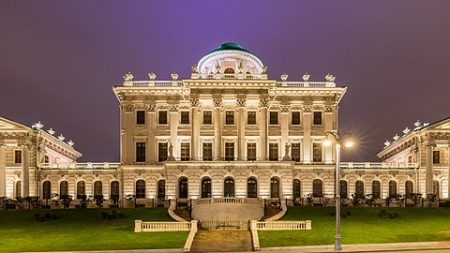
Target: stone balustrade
[(227, 201), (283, 225), (372, 165), (144, 226), (88, 165)]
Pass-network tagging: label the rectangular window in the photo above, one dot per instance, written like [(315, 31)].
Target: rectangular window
[(17, 156), (162, 151), (184, 117), (295, 152), (162, 117), (140, 151), (229, 118), (229, 151), (317, 152), (317, 118), (295, 118), (185, 151), (140, 117), (207, 151), (273, 151), (46, 159), (436, 157), (207, 118), (251, 118), (273, 119), (251, 151)]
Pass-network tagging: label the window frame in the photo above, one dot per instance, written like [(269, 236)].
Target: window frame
[(166, 117), (210, 118), (140, 117), (254, 120), (314, 118), (231, 117), (140, 151), (276, 121), (184, 117), (299, 118)]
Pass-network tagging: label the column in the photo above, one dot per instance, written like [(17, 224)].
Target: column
[(284, 125), (264, 101), (173, 120), (448, 178), (152, 145), (127, 134), (25, 171), (217, 117), (2, 170), (328, 126), (241, 101), (195, 126), (429, 170), (307, 145)]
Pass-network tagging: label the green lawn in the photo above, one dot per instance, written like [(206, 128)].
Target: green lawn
[(83, 229), (362, 226)]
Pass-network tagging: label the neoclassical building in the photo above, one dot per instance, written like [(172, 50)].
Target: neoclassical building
[(228, 130)]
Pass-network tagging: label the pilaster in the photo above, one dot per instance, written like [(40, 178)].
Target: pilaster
[(195, 136), (173, 120), (241, 101), (307, 145), (429, 170), (284, 125), (448, 176), (263, 103), (25, 171), (217, 117), (2, 170), (328, 150), (151, 143)]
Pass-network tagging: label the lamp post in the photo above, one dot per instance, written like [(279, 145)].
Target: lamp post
[(338, 139)]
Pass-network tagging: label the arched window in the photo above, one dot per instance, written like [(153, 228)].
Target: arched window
[(228, 187), (252, 188), (436, 187), (98, 188), (81, 189), (115, 189), (183, 188), (162, 189), (63, 188), (376, 189), (317, 188), (297, 189), (274, 188), (229, 71), (206, 188), (46, 190), (140, 189), (359, 188), (18, 189), (409, 189), (343, 189), (392, 188)]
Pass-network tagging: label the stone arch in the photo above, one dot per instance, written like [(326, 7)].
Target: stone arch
[(183, 187), (229, 187), (206, 187), (252, 187), (317, 187), (275, 187)]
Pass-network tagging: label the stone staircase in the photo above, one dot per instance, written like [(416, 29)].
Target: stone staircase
[(222, 241)]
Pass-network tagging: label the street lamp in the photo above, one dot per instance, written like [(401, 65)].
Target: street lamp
[(346, 140)]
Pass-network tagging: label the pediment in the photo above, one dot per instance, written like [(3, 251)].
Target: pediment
[(6, 124), (441, 125)]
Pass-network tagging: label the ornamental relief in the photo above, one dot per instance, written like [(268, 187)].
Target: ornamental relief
[(241, 102), (150, 107), (307, 108), (263, 102), (173, 107), (217, 102), (285, 108)]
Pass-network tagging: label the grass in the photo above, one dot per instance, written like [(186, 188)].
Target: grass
[(83, 229), (363, 226)]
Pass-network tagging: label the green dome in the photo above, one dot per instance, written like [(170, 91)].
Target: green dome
[(230, 46)]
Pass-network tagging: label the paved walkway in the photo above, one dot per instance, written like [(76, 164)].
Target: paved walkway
[(382, 247)]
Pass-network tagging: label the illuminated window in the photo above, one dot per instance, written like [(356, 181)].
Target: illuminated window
[(63, 188), (81, 189), (317, 152)]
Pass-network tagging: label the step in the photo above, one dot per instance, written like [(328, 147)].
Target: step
[(222, 241)]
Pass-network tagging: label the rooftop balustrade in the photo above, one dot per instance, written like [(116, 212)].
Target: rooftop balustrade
[(78, 166)]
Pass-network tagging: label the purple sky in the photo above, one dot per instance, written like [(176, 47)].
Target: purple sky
[(59, 59)]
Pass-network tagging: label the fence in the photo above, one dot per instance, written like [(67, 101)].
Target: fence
[(142, 226), (224, 224), (283, 225)]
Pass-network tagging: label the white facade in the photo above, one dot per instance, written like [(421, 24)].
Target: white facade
[(227, 131)]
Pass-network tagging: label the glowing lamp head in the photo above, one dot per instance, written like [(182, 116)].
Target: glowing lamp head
[(327, 142), (348, 144)]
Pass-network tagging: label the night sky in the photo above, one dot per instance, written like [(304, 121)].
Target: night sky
[(60, 59)]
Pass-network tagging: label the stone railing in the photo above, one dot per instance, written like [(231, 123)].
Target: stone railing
[(227, 201), (228, 76), (158, 83), (191, 236), (144, 226), (375, 165), (302, 84), (172, 214), (224, 224), (88, 165), (283, 225), (280, 214)]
